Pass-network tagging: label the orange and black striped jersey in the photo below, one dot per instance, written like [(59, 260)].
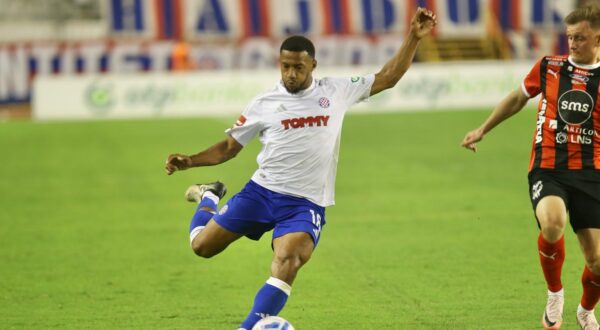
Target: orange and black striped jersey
[(567, 135)]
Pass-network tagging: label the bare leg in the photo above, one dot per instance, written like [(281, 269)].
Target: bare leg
[(291, 251), (213, 239), (552, 215)]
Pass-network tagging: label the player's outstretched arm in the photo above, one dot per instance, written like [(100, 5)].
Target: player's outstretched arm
[(511, 104), (217, 154), (421, 24)]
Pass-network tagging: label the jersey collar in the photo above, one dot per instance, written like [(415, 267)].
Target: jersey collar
[(585, 66), (301, 93)]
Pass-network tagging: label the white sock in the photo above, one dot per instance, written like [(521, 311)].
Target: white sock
[(195, 233), (580, 309), (210, 195), (560, 293), (281, 285)]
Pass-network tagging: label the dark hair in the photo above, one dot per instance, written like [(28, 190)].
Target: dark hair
[(590, 13), (298, 44)]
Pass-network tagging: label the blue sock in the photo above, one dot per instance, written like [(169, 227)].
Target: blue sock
[(269, 300), (202, 216)]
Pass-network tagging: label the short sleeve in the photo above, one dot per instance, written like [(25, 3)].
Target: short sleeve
[(355, 89), (532, 83), (247, 126)]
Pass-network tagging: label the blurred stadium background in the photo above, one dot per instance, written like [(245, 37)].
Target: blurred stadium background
[(425, 236), (51, 48)]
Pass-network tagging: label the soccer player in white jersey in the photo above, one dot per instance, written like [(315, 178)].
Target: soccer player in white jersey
[(299, 123)]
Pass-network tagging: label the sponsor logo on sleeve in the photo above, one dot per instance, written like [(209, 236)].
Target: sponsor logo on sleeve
[(354, 79), (240, 121)]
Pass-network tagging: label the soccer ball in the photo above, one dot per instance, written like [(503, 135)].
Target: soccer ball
[(273, 323)]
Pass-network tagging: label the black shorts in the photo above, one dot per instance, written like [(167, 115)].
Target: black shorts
[(579, 189)]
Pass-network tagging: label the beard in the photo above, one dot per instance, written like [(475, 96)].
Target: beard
[(294, 87)]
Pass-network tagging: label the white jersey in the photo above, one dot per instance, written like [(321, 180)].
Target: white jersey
[(300, 134)]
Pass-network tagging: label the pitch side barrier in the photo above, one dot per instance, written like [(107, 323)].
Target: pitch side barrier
[(135, 36), (425, 87)]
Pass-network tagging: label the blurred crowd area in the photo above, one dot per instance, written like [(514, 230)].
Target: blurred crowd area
[(79, 37)]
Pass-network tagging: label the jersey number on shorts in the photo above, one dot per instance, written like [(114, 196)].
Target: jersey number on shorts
[(316, 219)]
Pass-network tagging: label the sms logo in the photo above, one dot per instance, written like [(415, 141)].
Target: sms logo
[(575, 107)]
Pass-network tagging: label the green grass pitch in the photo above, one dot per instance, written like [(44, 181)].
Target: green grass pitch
[(425, 235)]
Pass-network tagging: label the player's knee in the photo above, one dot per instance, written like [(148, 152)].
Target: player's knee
[(552, 225), (593, 263), (202, 249), (283, 261), (552, 233), (293, 261), (552, 216)]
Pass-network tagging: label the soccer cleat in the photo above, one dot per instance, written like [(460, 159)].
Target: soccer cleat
[(587, 320), (552, 318), (194, 192)]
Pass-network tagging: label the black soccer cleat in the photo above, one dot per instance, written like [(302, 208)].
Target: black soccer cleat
[(194, 192)]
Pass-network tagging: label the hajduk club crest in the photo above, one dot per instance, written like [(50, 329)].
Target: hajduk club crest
[(324, 102)]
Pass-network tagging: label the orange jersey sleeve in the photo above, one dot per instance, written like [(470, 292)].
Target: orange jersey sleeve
[(532, 82)]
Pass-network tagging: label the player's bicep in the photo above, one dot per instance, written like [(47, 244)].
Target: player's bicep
[(513, 103), (233, 146), (520, 98), (379, 84)]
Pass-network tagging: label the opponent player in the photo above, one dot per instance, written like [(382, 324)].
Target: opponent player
[(564, 171), (299, 124)]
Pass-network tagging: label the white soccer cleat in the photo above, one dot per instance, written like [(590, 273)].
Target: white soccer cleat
[(552, 318), (586, 319), (194, 192)]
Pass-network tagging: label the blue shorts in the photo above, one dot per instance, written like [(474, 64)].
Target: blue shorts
[(256, 210)]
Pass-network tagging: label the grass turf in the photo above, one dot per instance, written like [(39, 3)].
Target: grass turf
[(424, 235)]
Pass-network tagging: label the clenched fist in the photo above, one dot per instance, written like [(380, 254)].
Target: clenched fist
[(177, 162)]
